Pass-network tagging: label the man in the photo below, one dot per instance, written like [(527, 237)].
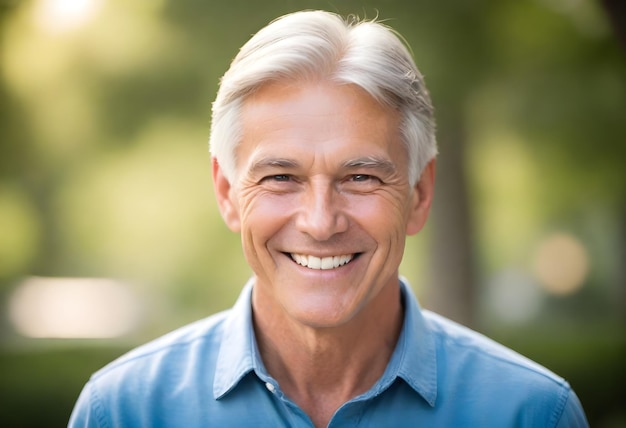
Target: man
[(323, 160)]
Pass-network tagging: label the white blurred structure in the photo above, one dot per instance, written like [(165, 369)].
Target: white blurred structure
[(73, 308)]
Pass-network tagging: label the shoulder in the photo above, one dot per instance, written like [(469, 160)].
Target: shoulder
[(140, 387), (468, 346), (170, 349), (479, 372)]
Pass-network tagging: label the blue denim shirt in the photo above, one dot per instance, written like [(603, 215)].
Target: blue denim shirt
[(210, 374)]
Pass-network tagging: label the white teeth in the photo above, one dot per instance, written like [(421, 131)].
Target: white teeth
[(314, 262), (325, 263)]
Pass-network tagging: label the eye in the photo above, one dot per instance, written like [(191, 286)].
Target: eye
[(279, 183), (278, 177), (361, 183), (360, 178)]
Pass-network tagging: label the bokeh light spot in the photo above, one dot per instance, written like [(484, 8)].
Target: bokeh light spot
[(56, 16), (560, 264)]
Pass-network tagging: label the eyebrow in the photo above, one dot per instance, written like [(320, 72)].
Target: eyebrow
[(368, 162), (264, 163), (371, 162)]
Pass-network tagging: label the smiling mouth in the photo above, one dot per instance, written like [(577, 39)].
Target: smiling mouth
[(323, 263)]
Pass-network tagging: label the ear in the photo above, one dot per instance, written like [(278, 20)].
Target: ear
[(226, 202), (422, 199)]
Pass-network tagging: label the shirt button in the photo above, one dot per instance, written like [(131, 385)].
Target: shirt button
[(270, 387)]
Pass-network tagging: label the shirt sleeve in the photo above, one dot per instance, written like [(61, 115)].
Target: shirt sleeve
[(573, 415), (85, 413)]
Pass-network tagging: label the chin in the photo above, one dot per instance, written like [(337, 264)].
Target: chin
[(321, 318)]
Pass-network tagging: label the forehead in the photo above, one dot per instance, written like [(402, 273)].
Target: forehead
[(316, 98), (320, 118)]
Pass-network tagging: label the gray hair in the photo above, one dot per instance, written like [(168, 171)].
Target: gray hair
[(321, 45)]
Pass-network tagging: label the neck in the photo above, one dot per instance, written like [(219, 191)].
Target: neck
[(322, 368)]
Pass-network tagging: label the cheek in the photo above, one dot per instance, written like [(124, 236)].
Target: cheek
[(263, 215), (385, 213)]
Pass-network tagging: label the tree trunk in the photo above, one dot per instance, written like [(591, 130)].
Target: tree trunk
[(616, 11), (452, 292)]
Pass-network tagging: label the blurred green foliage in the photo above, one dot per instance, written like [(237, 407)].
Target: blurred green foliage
[(105, 172)]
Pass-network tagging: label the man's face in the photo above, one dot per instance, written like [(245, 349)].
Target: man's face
[(321, 199)]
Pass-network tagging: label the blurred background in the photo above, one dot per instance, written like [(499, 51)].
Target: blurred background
[(109, 235)]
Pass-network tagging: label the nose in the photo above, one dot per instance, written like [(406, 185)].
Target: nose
[(322, 213)]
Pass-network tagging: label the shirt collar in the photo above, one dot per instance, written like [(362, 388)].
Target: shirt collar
[(415, 356), (238, 353), (414, 359)]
